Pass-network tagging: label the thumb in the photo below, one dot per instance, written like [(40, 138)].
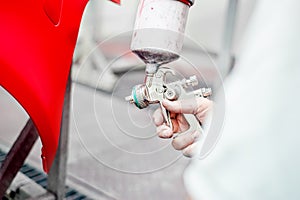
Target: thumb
[(188, 106)]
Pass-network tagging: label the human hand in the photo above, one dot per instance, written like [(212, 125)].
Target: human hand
[(185, 142)]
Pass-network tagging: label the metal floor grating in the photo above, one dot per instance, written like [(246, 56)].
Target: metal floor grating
[(41, 179)]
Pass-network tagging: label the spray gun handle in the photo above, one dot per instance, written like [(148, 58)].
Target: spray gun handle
[(194, 125), (193, 122)]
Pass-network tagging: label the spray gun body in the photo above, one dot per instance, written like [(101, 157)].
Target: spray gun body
[(142, 95), (158, 39)]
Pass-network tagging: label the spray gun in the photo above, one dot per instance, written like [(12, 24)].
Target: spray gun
[(157, 40)]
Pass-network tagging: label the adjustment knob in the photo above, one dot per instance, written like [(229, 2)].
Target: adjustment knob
[(193, 81)]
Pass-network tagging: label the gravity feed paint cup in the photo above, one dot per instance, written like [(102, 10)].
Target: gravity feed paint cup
[(159, 31)]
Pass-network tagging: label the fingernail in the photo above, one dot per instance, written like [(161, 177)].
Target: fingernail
[(175, 135)]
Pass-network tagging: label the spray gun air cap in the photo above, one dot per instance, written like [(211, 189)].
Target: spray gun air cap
[(138, 97)]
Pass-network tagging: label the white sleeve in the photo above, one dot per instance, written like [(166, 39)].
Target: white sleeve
[(257, 155)]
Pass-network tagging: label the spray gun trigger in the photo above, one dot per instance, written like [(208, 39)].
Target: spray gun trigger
[(166, 115)]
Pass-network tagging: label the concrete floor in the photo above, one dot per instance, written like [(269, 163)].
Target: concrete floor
[(113, 152)]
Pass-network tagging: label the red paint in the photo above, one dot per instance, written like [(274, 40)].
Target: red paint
[(52, 9), (116, 1), (37, 40), (187, 2)]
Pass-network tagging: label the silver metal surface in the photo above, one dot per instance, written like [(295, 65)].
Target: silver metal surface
[(57, 174), (159, 89)]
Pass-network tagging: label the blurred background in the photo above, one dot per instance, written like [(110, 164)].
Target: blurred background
[(113, 150)]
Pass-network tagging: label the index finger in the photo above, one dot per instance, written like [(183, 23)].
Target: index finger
[(187, 106)]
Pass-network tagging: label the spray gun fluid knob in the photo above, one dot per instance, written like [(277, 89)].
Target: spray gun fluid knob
[(171, 94)]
